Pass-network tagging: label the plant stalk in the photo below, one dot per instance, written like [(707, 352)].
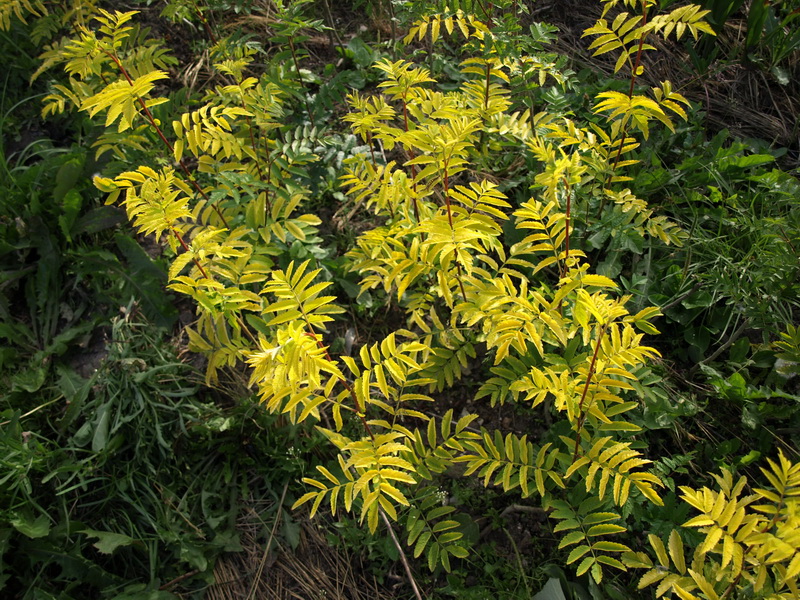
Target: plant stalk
[(411, 156), (459, 274), (589, 375), (166, 142), (300, 79), (566, 238), (186, 249), (403, 558), (636, 63), (360, 411)]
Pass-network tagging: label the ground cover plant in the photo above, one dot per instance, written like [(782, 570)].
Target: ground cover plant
[(396, 248)]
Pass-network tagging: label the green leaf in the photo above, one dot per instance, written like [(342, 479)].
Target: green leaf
[(145, 279), (605, 546), (552, 590), (193, 555), (100, 438), (107, 541), (31, 527), (98, 219), (66, 178), (577, 553), (700, 299), (585, 564), (141, 591), (71, 204), (604, 529), (29, 380), (571, 538)]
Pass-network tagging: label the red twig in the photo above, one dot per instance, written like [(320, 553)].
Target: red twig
[(186, 249), (637, 62), (359, 409), (411, 157), (589, 375), (157, 129), (459, 275)]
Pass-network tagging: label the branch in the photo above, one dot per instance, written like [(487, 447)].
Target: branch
[(403, 558)]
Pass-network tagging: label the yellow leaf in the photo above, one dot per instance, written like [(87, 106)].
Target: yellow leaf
[(704, 585), (711, 540), (676, 551), (661, 552)]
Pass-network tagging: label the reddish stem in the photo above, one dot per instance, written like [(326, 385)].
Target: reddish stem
[(564, 269), (486, 93), (157, 129), (487, 11), (300, 79), (268, 203), (371, 149), (747, 550), (253, 143), (186, 249), (459, 275), (178, 579), (590, 374), (359, 409), (242, 324), (411, 156), (636, 65), (447, 196), (211, 37), (566, 240)]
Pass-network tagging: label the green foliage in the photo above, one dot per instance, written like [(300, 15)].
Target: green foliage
[(95, 495), (587, 527), (770, 39), (431, 532), (46, 277), (732, 288)]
